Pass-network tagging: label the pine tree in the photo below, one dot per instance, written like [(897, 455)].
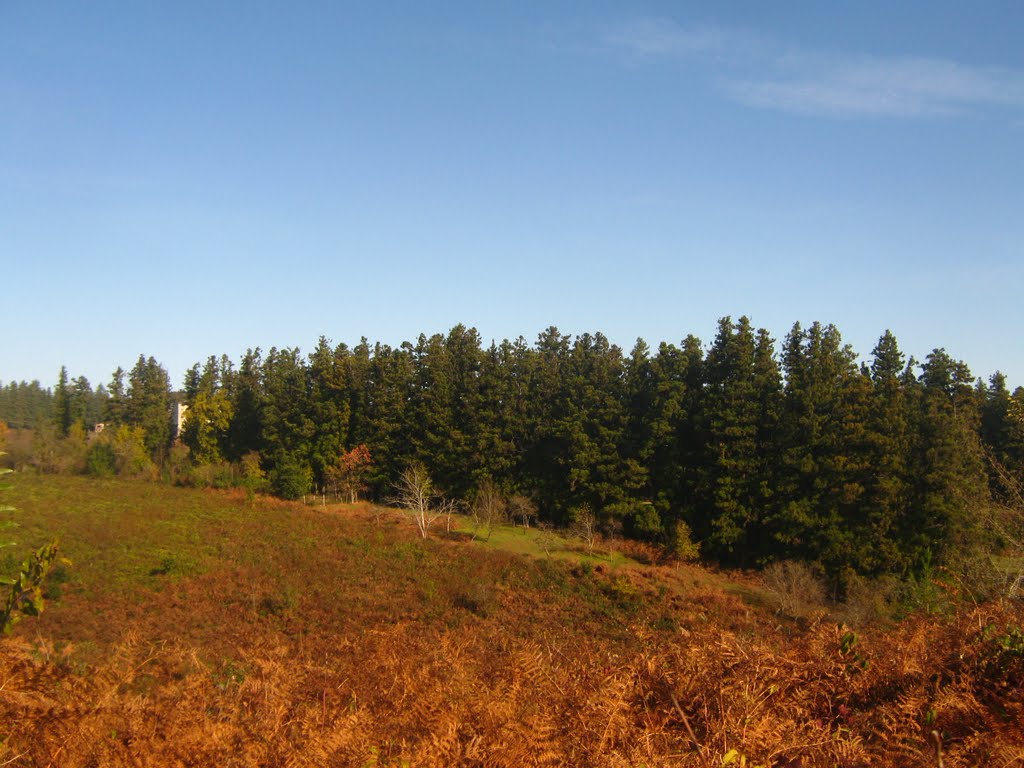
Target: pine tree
[(287, 426), (730, 468), (671, 443), (887, 489), (148, 404), (82, 403), (823, 449), (63, 417), (245, 431), (389, 389), (114, 413), (949, 479), (446, 406), (996, 425), (329, 405), (502, 431), (545, 463), (593, 431)]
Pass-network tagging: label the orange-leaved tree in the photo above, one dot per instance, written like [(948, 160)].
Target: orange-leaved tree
[(348, 475)]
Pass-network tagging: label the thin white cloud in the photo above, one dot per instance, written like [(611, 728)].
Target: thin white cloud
[(880, 87), (662, 37), (760, 74)]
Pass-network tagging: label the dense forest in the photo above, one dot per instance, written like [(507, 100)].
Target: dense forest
[(754, 454)]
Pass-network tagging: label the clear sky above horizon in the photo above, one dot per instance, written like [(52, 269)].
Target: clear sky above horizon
[(186, 179)]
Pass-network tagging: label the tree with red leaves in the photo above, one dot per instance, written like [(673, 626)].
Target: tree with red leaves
[(349, 474)]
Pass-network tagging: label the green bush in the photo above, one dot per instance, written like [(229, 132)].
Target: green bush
[(24, 596), (291, 478), (100, 460)]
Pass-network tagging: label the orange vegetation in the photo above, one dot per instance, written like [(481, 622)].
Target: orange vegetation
[(348, 642)]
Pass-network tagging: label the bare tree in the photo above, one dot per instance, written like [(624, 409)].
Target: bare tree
[(523, 509), (546, 538), (1007, 518), (584, 526), (489, 509), (416, 494)]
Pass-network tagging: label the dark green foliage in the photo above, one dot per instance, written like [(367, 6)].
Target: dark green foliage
[(247, 400), (291, 477), (327, 374), (62, 416), (950, 481), (25, 405), (101, 460), (740, 410), (147, 405), (856, 468)]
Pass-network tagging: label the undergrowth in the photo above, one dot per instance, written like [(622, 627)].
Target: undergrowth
[(223, 634)]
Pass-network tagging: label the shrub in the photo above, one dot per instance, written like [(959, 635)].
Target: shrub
[(291, 478), (794, 588), (681, 546), (132, 458), (100, 460), (868, 601), (219, 474), (645, 523), (24, 592)]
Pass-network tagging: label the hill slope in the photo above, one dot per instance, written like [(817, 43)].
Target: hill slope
[(194, 630)]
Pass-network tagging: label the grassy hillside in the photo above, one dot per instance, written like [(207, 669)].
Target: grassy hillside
[(193, 629)]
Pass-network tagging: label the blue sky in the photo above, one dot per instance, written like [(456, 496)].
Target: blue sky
[(185, 179)]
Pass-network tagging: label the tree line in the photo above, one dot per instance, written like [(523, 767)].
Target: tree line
[(882, 467)]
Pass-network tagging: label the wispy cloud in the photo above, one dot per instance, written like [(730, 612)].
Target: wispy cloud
[(664, 37), (880, 87), (755, 71)]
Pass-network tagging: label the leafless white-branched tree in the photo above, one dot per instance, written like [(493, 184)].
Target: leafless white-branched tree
[(584, 526), (1007, 518), (417, 496), (489, 509)]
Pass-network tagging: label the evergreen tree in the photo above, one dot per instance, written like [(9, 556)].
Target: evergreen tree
[(245, 431), (949, 479), (887, 487), (114, 412), (502, 421), (328, 398), (465, 463), (148, 404), (389, 390), (739, 415), (545, 462), (287, 427), (730, 470), (593, 431), (823, 449), (445, 407), (191, 384), (26, 405), (996, 424), (357, 375), (670, 431), (82, 403), (63, 416)]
